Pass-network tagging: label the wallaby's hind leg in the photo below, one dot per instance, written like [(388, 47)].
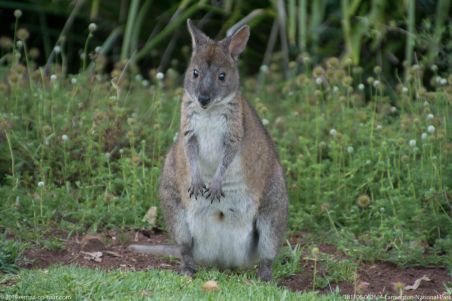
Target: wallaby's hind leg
[(271, 223), (174, 214), (188, 266)]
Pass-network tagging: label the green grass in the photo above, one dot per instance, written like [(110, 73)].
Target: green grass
[(82, 284), (10, 252), (95, 284), (336, 270)]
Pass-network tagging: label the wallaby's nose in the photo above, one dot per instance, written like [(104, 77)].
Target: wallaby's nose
[(204, 100)]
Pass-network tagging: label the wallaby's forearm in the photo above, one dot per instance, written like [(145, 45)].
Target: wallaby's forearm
[(230, 150), (192, 150), (231, 140), (231, 143)]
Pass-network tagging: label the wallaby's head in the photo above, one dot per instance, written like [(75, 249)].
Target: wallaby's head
[(213, 74)]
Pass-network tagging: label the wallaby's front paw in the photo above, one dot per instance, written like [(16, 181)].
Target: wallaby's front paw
[(196, 188), (214, 191)]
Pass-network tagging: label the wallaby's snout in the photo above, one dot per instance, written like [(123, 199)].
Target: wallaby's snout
[(204, 100), (205, 89)]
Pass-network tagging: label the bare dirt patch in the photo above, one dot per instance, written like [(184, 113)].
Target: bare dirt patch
[(114, 253), (378, 278)]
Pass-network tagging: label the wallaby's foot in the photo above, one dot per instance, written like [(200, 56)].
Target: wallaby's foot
[(187, 266), (187, 271), (196, 188), (214, 191), (265, 270)]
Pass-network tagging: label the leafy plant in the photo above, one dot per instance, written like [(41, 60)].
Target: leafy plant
[(335, 270), (288, 261), (10, 252)]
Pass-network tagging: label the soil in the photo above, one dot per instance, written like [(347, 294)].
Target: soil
[(376, 279), (379, 278), (114, 253)]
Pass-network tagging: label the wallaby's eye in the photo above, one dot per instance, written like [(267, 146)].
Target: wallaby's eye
[(195, 73), (222, 76)]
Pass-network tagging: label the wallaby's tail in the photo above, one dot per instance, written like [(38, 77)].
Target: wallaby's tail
[(157, 250)]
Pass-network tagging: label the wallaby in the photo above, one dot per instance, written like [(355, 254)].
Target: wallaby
[(222, 188)]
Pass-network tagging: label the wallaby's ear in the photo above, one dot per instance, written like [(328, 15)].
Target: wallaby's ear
[(197, 36), (238, 40)]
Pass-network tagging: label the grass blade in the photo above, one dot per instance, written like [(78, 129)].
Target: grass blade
[(291, 22), (411, 9), (302, 25), (442, 11), (167, 30), (133, 10)]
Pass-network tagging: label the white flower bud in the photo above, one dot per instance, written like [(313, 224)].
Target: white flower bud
[(17, 13), (333, 132), (160, 75), (264, 69), (92, 27)]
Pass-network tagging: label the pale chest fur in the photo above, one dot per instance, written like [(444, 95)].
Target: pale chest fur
[(223, 231), (210, 129)]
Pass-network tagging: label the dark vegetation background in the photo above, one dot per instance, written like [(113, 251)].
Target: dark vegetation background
[(370, 32)]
